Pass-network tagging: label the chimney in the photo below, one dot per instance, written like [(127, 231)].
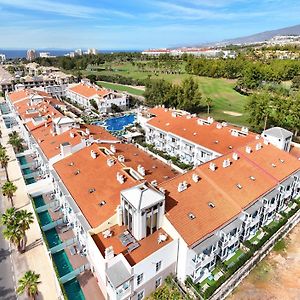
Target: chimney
[(93, 154), (195, 177), (258, 146), (65, 149), (120, 178), (219, 126), (212, 166), (112, 148), (110, 162), (226, 163), (121, 158), (182, 186), (87, 131), (248, 150), (235, 156), (141, 170), (72, 135)]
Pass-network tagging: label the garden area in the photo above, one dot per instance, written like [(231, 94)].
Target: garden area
[(208, 286)]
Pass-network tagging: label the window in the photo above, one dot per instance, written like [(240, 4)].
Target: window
[(139, 279), (158, 282), (141, 295), (158, 266)]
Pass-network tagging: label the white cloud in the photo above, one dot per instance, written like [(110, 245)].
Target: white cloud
[(59, 8)]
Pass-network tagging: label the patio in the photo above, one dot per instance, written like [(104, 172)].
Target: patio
[(257, 237), (234, 258)]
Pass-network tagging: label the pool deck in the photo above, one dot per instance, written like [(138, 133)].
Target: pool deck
[(87, 281)]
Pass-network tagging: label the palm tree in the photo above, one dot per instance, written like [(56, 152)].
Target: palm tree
[(9, 217), (29, 284), (4, 159), (208, 101), (16, 141), (8, 189), (15, 235), (24, 219)]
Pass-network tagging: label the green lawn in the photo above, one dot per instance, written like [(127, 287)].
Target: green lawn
[(234, 258), (220, 90), (121, 88)]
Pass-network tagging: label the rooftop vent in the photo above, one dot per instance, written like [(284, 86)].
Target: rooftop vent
[(245, 130), (239, 186), (110, 162), (71, 164), (191, 216), (234, 132), (281, 160), (257, 137), (216, 142), (102, 203), (120, 178), (92, 190), (154, 183), (121, 158), (212, 166), (248, 150), (182, 186), (112, 148), (162, 238), (174, 114), (226, 163), (211, 205), (76, 172), (230, 147), (219, 126), (274, 165), (141, 170), (252, 178), (93, 154), (224, 124), (235, 156), (266, 142), (195, 177), (72, 135), (258, 146)]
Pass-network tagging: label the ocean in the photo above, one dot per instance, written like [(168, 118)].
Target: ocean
[(55, 52)]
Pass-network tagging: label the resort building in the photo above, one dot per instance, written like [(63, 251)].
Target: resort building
[(194, 140), (134, 218), (83, 94)]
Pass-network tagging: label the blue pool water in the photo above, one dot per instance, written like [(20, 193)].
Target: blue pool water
[(45, 218), (29, 180), (22, 160), (118, 123), (39, 201), (52, 237), (73, 290), (62, 263)]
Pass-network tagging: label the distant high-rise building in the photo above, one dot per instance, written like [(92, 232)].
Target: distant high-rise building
[(92, 51), (78, 52), (2, 58), (31, 54)]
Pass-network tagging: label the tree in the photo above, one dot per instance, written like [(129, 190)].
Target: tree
[(29, 284), (260, 109), (8, 190), (16, 141), (4, 159), (296, 82), (208, 101), (14, 234), (9, 217), (24, 219), (94, 103), (17, 223)]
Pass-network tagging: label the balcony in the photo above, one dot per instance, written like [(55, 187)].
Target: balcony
[(203, 260)]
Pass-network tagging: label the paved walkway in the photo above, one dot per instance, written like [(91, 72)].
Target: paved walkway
[(36, 257)]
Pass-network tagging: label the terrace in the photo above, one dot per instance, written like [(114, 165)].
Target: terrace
[(66, 253)]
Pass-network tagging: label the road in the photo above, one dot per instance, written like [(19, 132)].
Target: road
[(7, 282)]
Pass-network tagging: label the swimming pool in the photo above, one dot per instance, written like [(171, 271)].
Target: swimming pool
[(118, 123), (39, 201), (22, 160)]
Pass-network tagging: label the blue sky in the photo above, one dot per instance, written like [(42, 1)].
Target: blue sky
[(137, 24)]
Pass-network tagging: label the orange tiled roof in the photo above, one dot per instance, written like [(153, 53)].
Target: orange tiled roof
[(230, 189), (155, 169), (18, 95), (148, 245), (95, 173), (87, 91), (209, 136)]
